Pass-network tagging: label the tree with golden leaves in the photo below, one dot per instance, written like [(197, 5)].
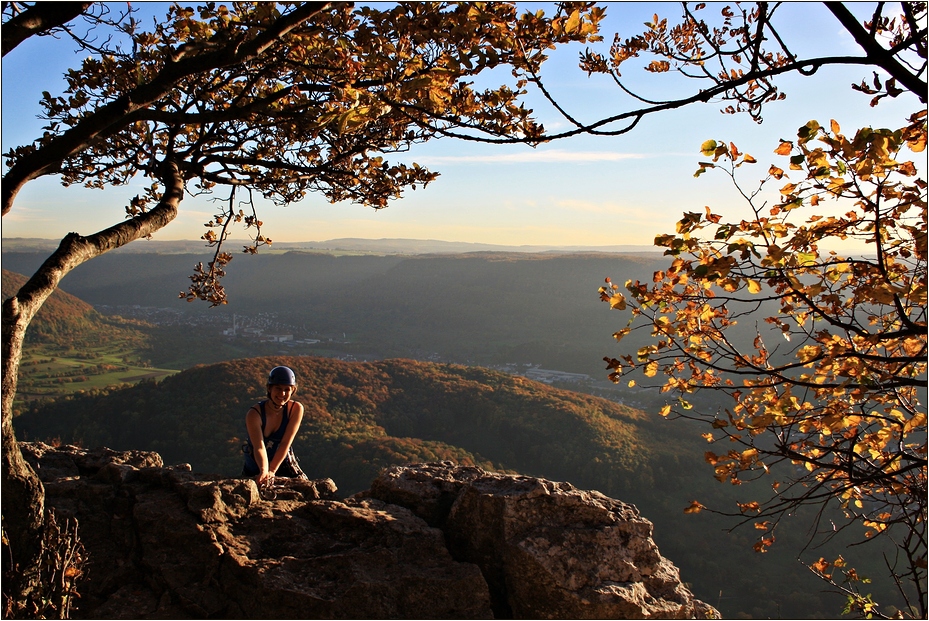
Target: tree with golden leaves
[(817, 347), (827, 386)]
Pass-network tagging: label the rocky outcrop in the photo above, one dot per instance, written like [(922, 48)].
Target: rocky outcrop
[(426, 541), (546, 549)]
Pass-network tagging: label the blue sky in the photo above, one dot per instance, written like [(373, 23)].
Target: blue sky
[(581, 191)]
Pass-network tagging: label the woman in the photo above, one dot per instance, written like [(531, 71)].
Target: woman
[(272, 426)]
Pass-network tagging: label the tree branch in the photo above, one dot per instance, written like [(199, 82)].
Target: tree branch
[(877, 54), (38, 19)]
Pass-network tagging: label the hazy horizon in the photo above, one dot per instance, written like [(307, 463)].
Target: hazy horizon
[(20, 244)]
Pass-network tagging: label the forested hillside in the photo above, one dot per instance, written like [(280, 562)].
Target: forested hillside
[(364, 416), (368, 415), (67, 320), (71, 347)]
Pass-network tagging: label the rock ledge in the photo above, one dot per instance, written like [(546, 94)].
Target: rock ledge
[(426, 541)]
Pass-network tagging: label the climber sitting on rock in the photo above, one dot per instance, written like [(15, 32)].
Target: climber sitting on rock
[(272, 426)]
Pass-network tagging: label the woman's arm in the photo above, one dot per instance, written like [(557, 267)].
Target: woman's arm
[(256, 435), (296, 417)]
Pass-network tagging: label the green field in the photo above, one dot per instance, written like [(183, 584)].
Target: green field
[(48, 372)]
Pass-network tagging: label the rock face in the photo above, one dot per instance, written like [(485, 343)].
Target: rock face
[(426, 541), (546, 549)]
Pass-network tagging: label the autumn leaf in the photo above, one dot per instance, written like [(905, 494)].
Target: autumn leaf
[(694, 507), (822, 565), (708, 148), (809, 352), (785, 148), (573, 23), (651, 369), (620, 334)]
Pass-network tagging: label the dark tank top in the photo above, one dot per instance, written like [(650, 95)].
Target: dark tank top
[(271, 442)]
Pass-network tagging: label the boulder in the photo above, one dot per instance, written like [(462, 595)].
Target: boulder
[(426, 541), (546, 549)]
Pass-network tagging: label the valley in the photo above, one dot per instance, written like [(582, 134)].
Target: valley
[(401, 358)]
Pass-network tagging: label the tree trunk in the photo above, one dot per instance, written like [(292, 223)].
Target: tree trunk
[(23, 496)]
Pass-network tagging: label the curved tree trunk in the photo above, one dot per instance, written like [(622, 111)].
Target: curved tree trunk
[(23, 497)]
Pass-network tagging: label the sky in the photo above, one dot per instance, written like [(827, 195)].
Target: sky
[(587, 191)]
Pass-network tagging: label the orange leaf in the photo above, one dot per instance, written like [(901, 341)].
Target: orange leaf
[(695, 507)]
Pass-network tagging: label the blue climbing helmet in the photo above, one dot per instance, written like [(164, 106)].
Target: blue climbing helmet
[(282, 375)]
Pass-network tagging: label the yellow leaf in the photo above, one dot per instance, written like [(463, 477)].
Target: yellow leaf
[(809, 352), (664, 411), (918, 421), (631, 383), (573, 22), (754, 286), (708, 147), (619, 335), (784, 148)]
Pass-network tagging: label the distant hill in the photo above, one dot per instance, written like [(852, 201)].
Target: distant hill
[(63, 316), (59, 309), (347, 244), (364, 416)]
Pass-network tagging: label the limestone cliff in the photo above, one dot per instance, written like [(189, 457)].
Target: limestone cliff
[(426, 541)]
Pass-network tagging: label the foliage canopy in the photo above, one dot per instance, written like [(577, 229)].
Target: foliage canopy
[(833, 382), (828, 391)]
